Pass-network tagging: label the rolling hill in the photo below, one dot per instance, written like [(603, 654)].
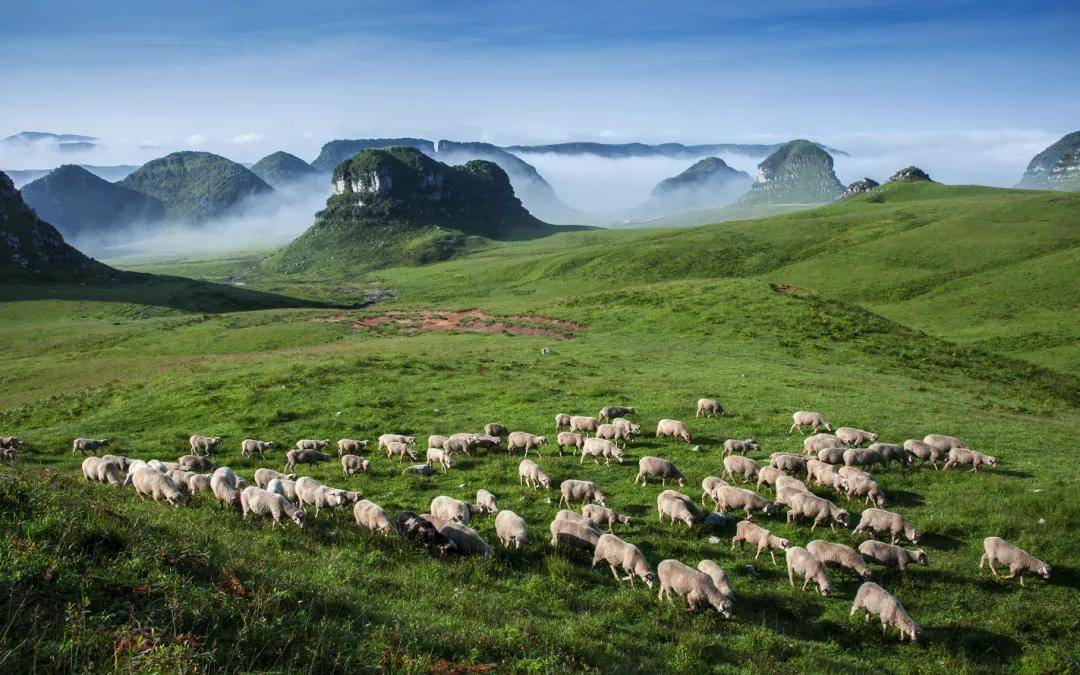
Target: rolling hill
[(280, 169), (707, 184)]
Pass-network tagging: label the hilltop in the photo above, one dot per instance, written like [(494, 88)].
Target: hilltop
[(1055, 168), (281, 168), (335, 152), (196, 186), (111, 173), (708, 183), (670, 150), (799, 172), (78, 203)]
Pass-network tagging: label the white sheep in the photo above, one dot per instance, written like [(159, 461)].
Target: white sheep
[(284, 487), (583, 423), (371, 516), (614, 433), (354, 464), (751, 533), (85, 445), (310, 492), (163, 467), (610, 412), (864, 457), (677, 506), (395, 438), (511, 529), (692, 584), (263, 476), (802, 418), (709, 407), (734, 446), (942, 443), (562, 421), (997, 550), (868, 488), (441, 457), (304, 456), (398, 449), (568, 439), (601, 515), (826, 474), (629, 427), (485, 502), (923, 451), (805, 504), (265, 503), (100, 470), (180, 478), (195, 463), (832, 455), (965, 457), (207, 444), (466, 539), (812, 445), (350, 446), (530, 473), (448, 508), (580, 491), (879, 521), (497, 430), (737, 465), (892, 452), (574, 531), (855, 437), (718, 575), (729, 497), (460, 443), (618, 553), (874, 599), (802, 563), (157, 486), (199, 482), (118, 460), (709, 485), (436, 441), (891, 556), (251, 446), (839, 555), (657, 467), (786, 461), (598, 447), (768, 475), (673, 428), (520, 440), (223, 485)]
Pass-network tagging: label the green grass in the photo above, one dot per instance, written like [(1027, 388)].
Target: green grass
[(671, 316)]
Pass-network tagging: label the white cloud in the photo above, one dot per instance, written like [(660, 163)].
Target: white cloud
[(247, 139), (195, 140)]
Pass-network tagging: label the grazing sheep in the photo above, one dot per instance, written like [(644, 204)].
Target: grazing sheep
[(631, 429), (448, 508), (562, 421), (157, 486), (923, 451), (422, 469), (784, 495), (520, 440), (250, 446), (855, 437), (85, 445), (118, 460), (370, 515), (312, 444), (485, 502), (786, 481), (964, 457), (801, 562), (692, 584), (709, 485), (8, 455), (601, 515), (399, 449), (265, 503), (944, 444), (729, 497), (284, 487), (826, 474), (571, 440), (785, 461), (584, 423), (100, 470), (497, 430), (893, 557), (199, 482), (751, 533), (196, 463), (861, 457), (812, 445), (737, 465), (180, 477), (740, 447), (264, 476), (10, 443), (511, 530), (879, 521), (832, 455), (580, 491), (997, 550), (207, 444), (657, 467), (850, 473), (613, 432), (575, 532), (161, 466), (441, 457), (709, 407), (310, 492), (134, 466), (610, 412), (395, 438), (598, 447), (839, 555), (459, 443), (350, 446), (530, 473), (892, 452), (484, 441), (815, 420), (874, 599), (567, 514), (673, 428), (718, 575), (618, 553), (298, 456), (354, 464), (768, 475), (868, 488), (465, 539), (436, 441), (422, 531), (678, 507), (805, 504), (223, 485)]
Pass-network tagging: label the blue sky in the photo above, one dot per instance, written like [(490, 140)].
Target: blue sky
[(252, 77)]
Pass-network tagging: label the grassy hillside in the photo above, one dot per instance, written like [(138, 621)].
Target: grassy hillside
[(99, 580)]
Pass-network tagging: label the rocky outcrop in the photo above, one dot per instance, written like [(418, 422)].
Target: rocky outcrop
[(910, 174), (78, 203), (1066, 173), (1055, 168), (798, 173), (860, 186), (709, 183), (335, 152)]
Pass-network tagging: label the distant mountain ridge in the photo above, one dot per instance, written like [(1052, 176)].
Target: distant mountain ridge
[(671, 150), (110, 173), (77, 203), (708, 183), (281, 168), (335, 152)]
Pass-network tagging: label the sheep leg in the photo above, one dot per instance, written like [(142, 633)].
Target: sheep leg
[(772, 554)]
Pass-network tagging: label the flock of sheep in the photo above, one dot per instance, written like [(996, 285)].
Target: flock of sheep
[(829, 460)]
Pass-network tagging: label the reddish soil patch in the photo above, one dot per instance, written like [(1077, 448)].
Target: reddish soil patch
[(471, 321)]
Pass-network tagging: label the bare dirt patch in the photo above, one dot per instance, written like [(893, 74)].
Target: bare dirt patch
[(470, 321)]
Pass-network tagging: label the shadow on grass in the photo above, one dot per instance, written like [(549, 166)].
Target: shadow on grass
[(940, 542), (977, 644), (904, 498)]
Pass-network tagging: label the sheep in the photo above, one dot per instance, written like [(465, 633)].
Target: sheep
[(784, 495), (740, 447), (657, 467), (964, 456), (850, 473), (99, 470), (812, 445), (264, 503), (199, 482), (85, 445), (395, 438), (223, 485), (180, 477), (580, 491), (485, 441), (751, 533), (718, 575), (631, 429), (610, 412), (943, 444), (439, 456), (10, 443), (832, 455), (673, 428), (157, 486), (284, 487), (569, 439), (422, 469), (598, 447), (400, 450), (767, 475), (119, 460), (511, 530), (299, 456), (826, 474), (742, 466), (370, 515), (803, 418), (874, 599), (422, 531), (786, 481), (448, 508), (891, 556), (460, 442), (350, 446), (524, 441), (8, 455), (312, 444), (530, 473), (601, 515), (692, 584), (805, 504), (618, 553), (583, 423), (802, 563), (877, 520), (465, 539), (613, 432), (562, 421), (864, 457), (251, 446), (709, 407), (485, 502), (785, 461), (354, 464), (868, 488), (310, 492), (134, 466), (567, 514), (729, 497), (839, 555), (923, 451), (497, 430), (709, 485), (892, 452), (161, 466), (264, 476), (195, 463), (436, 441), (207, 444), (574, 532), (677, 506), (855, 437), (997, 550)]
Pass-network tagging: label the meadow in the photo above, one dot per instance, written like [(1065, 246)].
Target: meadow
[(930, 309)]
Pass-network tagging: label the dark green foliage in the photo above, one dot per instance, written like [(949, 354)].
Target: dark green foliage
[(336, 152), (76, 202), (798, 173), (281, 168)]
